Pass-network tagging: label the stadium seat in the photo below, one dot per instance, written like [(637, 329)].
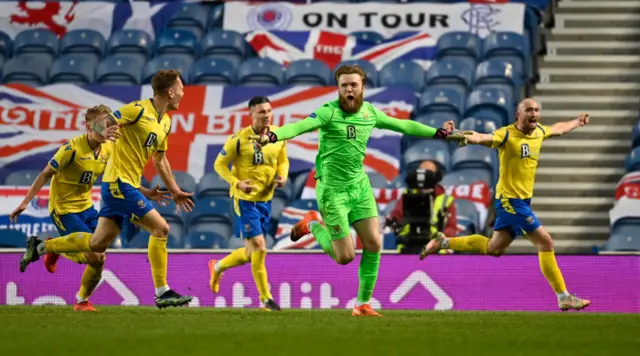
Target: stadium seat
[(624, 237), (216, 16), (308, 72), (22, 178), (119, 69), (398, 182), (377, 180), (185, 181), (468, 216), (632, 163), (87, 43), (368, 36), (260, 72), (436, 120), (278, 204), (298, 184), (509, 46), (432, 150), (13, 239), (476, 156), (205, 240), (444, 101), (168, 211), (304, 204), (389, 241), (368, 67), (71, 69), (500, 74), (211, 184), (224, 44), (133, 43), (478, 174), (212, 209), (490, 103), (141, 241), (27, 69), (406, 74), (179, 44), (235, 243), (37, 41), (212, 71), (190, 17), (6, 47), (457, 178), (464, 46), (156, 64), (635, 133), (479, 125), (450, 72)]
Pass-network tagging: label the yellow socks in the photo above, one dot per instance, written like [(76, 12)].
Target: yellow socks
[(551, 271), (158, 257), (473, 243), (75, 242), (90, 279), (236, 258), (259, 271)]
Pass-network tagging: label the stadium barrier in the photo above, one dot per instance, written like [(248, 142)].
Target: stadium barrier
[(312, 280)]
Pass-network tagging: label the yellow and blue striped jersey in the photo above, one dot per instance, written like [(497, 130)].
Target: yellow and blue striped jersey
[(519, 155), (142, 134), (249, 161), (77, 167)]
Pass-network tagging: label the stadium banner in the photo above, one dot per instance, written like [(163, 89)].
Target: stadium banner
[(386, 19), (312, 281), (34, 122), (35, 219)]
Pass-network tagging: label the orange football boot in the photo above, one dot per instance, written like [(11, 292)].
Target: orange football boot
[(301, 228), (214, 282), (85, 307), (364, 310)]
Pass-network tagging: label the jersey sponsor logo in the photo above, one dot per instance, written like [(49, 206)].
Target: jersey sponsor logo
[(258, 158), (351, 132), (151, 139), (525, 151), (85, 177)]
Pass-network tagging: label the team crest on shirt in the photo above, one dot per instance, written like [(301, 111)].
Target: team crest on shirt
[(365, 116), (529, 220), (256, 146), (247, 227), (141, 203), (336, 228)]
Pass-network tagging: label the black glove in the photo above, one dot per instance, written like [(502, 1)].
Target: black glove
[(442, 133)]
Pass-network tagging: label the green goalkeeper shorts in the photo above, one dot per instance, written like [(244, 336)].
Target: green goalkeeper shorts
[(342, 206)]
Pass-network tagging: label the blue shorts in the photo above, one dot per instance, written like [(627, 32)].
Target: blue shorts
[(123, 202), (253, 220), (84, 221), (515, 216)]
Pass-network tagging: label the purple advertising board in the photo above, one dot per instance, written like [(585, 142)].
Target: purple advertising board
[(455, 282)]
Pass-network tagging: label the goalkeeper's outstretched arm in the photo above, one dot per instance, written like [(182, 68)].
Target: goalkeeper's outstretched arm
[(414, 128)]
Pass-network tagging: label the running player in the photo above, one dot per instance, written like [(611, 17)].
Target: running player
[(519, 148), (255, 173), (145, 128), (344, 193), (73, 170)]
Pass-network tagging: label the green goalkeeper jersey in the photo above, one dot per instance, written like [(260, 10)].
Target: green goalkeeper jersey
[(343, 138)]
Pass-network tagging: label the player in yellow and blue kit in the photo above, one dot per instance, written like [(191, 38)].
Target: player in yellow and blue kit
[(141, 134), (256, 172), (73, 170), (519, 148)]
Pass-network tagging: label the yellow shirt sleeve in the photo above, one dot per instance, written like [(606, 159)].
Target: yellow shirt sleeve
[(63, 157), (164, 145), (546, 130), (283, 162), (499, 137), (129, 113), (226, 156)]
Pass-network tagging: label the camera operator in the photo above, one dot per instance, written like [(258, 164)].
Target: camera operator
[(426, 195)]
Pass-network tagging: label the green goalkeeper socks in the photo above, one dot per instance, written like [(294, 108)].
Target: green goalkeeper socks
[(323, 237), (368, 275)]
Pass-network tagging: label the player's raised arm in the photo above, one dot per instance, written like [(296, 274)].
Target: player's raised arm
[(490, 140), (227, 155), (40, 181), (415, 128), (314, 121), (561, 128)]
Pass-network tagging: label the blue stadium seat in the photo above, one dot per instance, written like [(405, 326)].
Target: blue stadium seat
[(632, 163), (205, 240), (509, 46), (260, 72), (6, 47), (479, 125), (368, 36), (22, 177), (304, 204), (389, 241), (368, 67), (465, 46), (37, 41), (224, 44), (624, 237), (164, 62), (433, 150), (179, 44), (212, 209), (475, 157), (190, 17), (71, 69), (436, 120), (216, 16), (406, 74), (278, 204), (211, 184), (298, 184), (141, 240), (212, 71), (452, 72), (464, 177), (185, 181), (12, 238), (445, 101), (490, 103), (377, 180), (85, 42), (308, 72), (119, 69), (30, 69), (468, 216), (134, 43), (498, 73)]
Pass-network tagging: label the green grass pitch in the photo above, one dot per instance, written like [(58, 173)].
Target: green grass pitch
[(49, 330)]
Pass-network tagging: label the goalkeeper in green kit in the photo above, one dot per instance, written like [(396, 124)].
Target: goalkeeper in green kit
[(343, 190)]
